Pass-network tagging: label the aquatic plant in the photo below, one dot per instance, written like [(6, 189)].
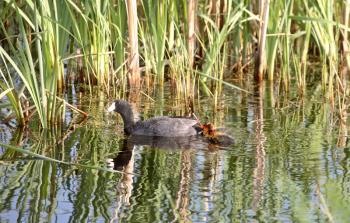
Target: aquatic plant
[(198, 45)]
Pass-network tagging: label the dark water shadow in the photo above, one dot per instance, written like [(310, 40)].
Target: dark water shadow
[(166, 143), (172, 143)]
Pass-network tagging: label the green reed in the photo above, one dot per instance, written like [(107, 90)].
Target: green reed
[(323, 33), (94, 34), (216, 40), (92, 31), (118, 23), (155, 28), (37, 55), (8, 89), (279, 29), (23, 64)]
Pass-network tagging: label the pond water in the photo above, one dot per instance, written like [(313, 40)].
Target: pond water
[(290, 163)]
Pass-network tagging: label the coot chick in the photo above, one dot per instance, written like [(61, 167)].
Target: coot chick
[(158, 126), (216, 136)]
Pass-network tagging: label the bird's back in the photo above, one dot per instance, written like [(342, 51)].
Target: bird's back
[(166, 126)]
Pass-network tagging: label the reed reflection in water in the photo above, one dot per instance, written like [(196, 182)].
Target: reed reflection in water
[(290, 162)]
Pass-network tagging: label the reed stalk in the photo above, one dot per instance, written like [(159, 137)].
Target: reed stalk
[(260, 62), (191, 42), (192, 4), (304, 57), (133, 58), (345, 43)]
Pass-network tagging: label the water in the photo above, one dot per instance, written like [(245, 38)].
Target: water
[(290, 163)]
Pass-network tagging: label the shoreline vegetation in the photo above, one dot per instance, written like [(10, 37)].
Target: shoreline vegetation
[(136, 47)]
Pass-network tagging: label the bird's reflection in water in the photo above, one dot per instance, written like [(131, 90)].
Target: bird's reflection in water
[(123, 157), (124, 161), (170, 143)]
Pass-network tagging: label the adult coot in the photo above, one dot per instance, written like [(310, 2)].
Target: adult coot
[(158, 126)]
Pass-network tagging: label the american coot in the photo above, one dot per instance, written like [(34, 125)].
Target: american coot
[(167, 127), (158, 126)]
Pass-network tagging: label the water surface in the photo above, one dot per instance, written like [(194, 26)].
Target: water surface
[(290, 163)]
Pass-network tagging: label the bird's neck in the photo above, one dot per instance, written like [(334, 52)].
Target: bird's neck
[(130, 116)]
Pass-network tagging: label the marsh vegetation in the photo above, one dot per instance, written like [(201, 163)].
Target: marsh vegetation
[(274, 73)]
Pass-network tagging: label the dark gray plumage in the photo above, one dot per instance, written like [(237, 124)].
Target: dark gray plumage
[(157, 126)]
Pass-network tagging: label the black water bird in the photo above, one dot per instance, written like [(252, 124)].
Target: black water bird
[(174, 129), (165, 126)]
